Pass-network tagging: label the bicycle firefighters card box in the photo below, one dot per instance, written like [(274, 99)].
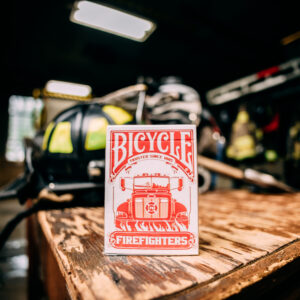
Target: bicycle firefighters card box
[(151, 198)]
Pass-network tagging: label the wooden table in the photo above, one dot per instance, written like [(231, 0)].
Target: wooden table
[(249, 245)]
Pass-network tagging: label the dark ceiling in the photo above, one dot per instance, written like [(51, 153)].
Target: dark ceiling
[(207, 43)]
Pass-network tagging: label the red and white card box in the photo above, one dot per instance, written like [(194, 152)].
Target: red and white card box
[(151, 198)]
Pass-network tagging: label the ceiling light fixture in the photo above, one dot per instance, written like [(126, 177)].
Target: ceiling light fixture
[(111, 20)]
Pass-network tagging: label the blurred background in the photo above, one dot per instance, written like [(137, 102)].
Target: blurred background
[(241, 57)]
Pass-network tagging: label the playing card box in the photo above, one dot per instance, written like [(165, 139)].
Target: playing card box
[(151, 198)]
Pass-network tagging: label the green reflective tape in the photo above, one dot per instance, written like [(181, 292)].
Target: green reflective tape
[(96, 135), (61, 141), (118, 114)]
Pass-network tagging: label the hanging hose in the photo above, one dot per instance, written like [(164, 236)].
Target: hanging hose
[(48, 200), (11, 225)]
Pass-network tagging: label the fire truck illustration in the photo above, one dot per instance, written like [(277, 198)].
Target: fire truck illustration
[(151, 204)]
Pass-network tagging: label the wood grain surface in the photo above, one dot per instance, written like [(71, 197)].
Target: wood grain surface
[(243, 238)]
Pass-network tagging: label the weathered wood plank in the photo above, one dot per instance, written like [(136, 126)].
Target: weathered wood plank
[(238, 230), (233, 282)]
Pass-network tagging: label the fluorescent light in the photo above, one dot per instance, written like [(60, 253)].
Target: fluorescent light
[(68, 89), (111, 20)]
